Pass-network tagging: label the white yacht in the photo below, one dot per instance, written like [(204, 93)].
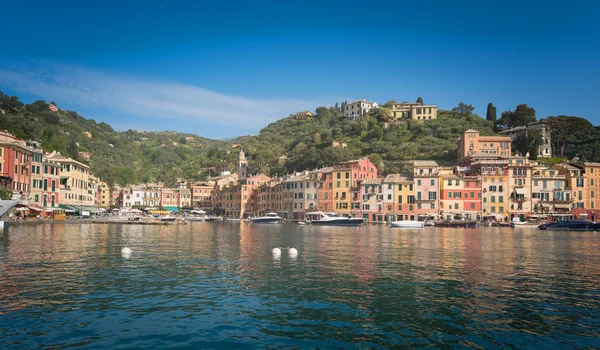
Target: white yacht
[(408, 224), (197, 215), (269, 218), (332, 219)]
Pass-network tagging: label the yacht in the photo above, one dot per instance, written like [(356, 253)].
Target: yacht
[(332, 219), (408, 224), (269, 218), (197, 215), (571, 225)]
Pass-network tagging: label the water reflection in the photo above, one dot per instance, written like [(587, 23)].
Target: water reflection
[(217, 285)]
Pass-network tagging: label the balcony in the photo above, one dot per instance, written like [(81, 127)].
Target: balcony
[(561, 201), (424, 200)]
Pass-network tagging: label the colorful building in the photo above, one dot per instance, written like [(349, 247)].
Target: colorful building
[(519, 187), (427, 188)]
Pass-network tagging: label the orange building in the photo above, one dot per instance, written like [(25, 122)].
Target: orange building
[(471, 144)]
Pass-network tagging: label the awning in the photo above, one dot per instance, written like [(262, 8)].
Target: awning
[(160, 212), (562, 206), (546, 205), (520, 190), (171, 208), (90, 209), (67, 207), (34, 208)]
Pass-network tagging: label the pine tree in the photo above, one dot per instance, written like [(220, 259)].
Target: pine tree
[(491, 112)]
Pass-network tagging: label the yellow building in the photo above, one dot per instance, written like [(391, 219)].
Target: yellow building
[(494, 184), (399, 197), (519, 187), (104, 196), (75, 187), (414, 111), (342, 191), (591, 176)]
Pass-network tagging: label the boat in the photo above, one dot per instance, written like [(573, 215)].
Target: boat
[(456, 223), (571, 225), (197, 215), (301, 223), (331, 219), (407, 224), (503, 224), (269, 218)]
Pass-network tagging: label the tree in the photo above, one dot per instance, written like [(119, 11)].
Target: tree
[(73, 149), (528, 142), (376, 159), (521, 116), (491, 113), (389, 104), (463, 109), (383, 115), (562, 126), (124, 176), (420, 100)]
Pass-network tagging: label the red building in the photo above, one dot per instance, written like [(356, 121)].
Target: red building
[(15, 163)]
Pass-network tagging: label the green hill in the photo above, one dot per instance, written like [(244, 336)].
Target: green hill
[(134, 156)]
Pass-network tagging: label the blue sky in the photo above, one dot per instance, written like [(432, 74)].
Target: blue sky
[(228, 68)]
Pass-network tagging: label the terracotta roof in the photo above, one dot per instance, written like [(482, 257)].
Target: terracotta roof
[(377, 181), (396, 178), (425, 163)]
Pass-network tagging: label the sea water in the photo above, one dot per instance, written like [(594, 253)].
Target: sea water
[(218, 285)]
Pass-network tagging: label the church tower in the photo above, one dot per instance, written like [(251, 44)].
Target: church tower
[(242, 165)]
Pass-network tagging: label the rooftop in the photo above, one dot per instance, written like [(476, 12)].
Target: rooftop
[(396, 178), (377, 181), (425, 163)]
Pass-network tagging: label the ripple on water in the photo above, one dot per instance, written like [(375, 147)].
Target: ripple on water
[(217, 285)]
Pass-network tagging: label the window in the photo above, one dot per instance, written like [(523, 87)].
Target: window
[(418, 182), (449, 194)]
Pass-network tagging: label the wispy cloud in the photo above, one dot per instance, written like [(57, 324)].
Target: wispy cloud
[(144, 98)]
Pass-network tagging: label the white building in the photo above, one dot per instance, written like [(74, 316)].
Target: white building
[(546, 149), (133, 196), (359, 108)]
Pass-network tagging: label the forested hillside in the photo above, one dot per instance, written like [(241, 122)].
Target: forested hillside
[(284, 146), (117, 157)]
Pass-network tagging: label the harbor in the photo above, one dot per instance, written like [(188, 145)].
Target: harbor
[(218, 284)]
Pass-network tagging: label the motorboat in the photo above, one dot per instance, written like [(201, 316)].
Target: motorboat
[(456, 223), (332, 219), (197, 215), (269, 218), (407, 224), (503, 224), (571, 225)]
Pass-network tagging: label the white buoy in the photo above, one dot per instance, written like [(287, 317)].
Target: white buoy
[(276, 252), (126, 250), (293, 252)]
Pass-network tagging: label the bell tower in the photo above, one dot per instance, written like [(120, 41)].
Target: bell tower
[(242, 165)]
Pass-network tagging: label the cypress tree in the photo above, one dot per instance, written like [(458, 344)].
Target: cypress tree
[(491, 112)]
